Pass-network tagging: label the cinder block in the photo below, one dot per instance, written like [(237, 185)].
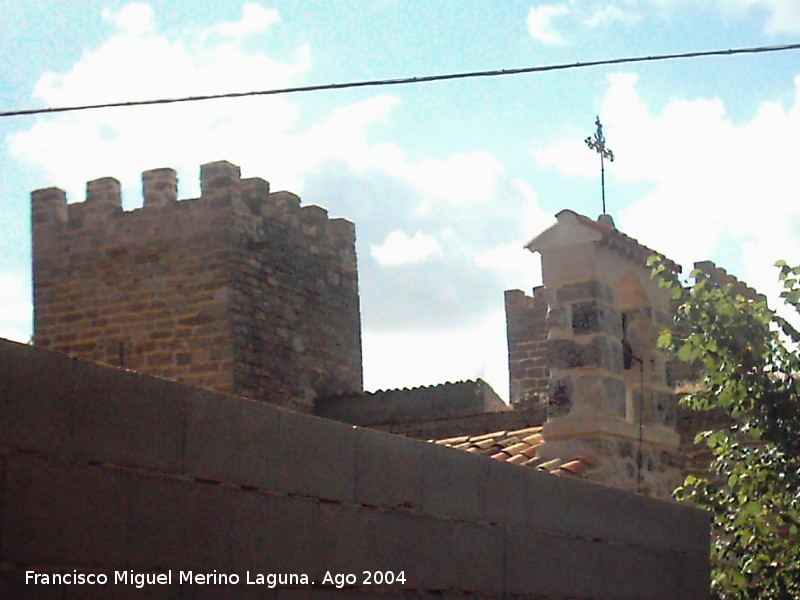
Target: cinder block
[(58, 513), (505, 499), (178, 524), (696, 575), (127, 418), (422, 548), (454, 482), (550, 565), (478, 551), (317, 457), (669, 526), (388, 470), (580, 508), (35, 388), (658, 576), (231, 439), (566, 565), (353, 540), (276, 534)]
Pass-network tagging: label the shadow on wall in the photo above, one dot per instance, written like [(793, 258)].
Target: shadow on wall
[(106, 470)]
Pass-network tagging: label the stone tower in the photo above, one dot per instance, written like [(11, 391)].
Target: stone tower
[(241, 290), (585, 344)]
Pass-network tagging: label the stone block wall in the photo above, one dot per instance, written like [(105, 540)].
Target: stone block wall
[(439, 429), (622, 416), (240, 290), (107, 471), (410, 406), (584, 351), (527, 353), (720, 277)]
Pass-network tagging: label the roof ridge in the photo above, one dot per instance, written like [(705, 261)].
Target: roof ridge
[(429, 386)]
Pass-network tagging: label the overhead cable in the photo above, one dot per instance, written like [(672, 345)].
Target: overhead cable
[(405, 80)]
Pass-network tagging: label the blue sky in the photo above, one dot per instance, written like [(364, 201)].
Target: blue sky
[(446, 181)]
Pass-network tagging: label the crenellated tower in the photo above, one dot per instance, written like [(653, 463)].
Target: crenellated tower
[(241, 290)]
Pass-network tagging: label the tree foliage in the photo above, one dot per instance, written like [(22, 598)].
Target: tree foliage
[(750, 364)]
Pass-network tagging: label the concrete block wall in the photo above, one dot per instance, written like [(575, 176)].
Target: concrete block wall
[(105, 470), (529, 375), (240, 290)]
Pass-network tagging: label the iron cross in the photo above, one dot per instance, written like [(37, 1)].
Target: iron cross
[(598, 143)]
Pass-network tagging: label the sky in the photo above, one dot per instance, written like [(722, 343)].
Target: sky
[(445, 181)]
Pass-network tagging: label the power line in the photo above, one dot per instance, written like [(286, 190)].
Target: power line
[(406, 80)]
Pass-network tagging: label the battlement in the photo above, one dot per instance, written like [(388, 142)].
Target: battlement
[(527, 352), (240, 289), (222, 188), (720, 277)]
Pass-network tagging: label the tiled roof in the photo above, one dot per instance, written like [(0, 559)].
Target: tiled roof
[(517, 447), (435, 386), (624, 244)]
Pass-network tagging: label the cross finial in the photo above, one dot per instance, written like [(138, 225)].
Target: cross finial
[(598, 144)]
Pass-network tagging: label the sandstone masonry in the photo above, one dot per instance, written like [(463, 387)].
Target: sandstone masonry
[(241, 290), (529, 375), (585, 344)]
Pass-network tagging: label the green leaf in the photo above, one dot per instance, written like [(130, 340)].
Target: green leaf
[(751, 387), (665, 339)]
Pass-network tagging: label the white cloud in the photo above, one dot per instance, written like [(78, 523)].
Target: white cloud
[(782, 16), (513, 263), (718, 188), (454, 273), (609, 15), (343, 135), (399, 249), (15, 307), (568, 154), (135, 17), (139, 62), (432, 357), (540, 23), (463, 178), (255, 19)]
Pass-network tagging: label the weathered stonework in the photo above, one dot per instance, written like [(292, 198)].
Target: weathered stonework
[(585, 290), (527, 351), (599, 352), (240, 290), (559, 398), (608, 396)]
